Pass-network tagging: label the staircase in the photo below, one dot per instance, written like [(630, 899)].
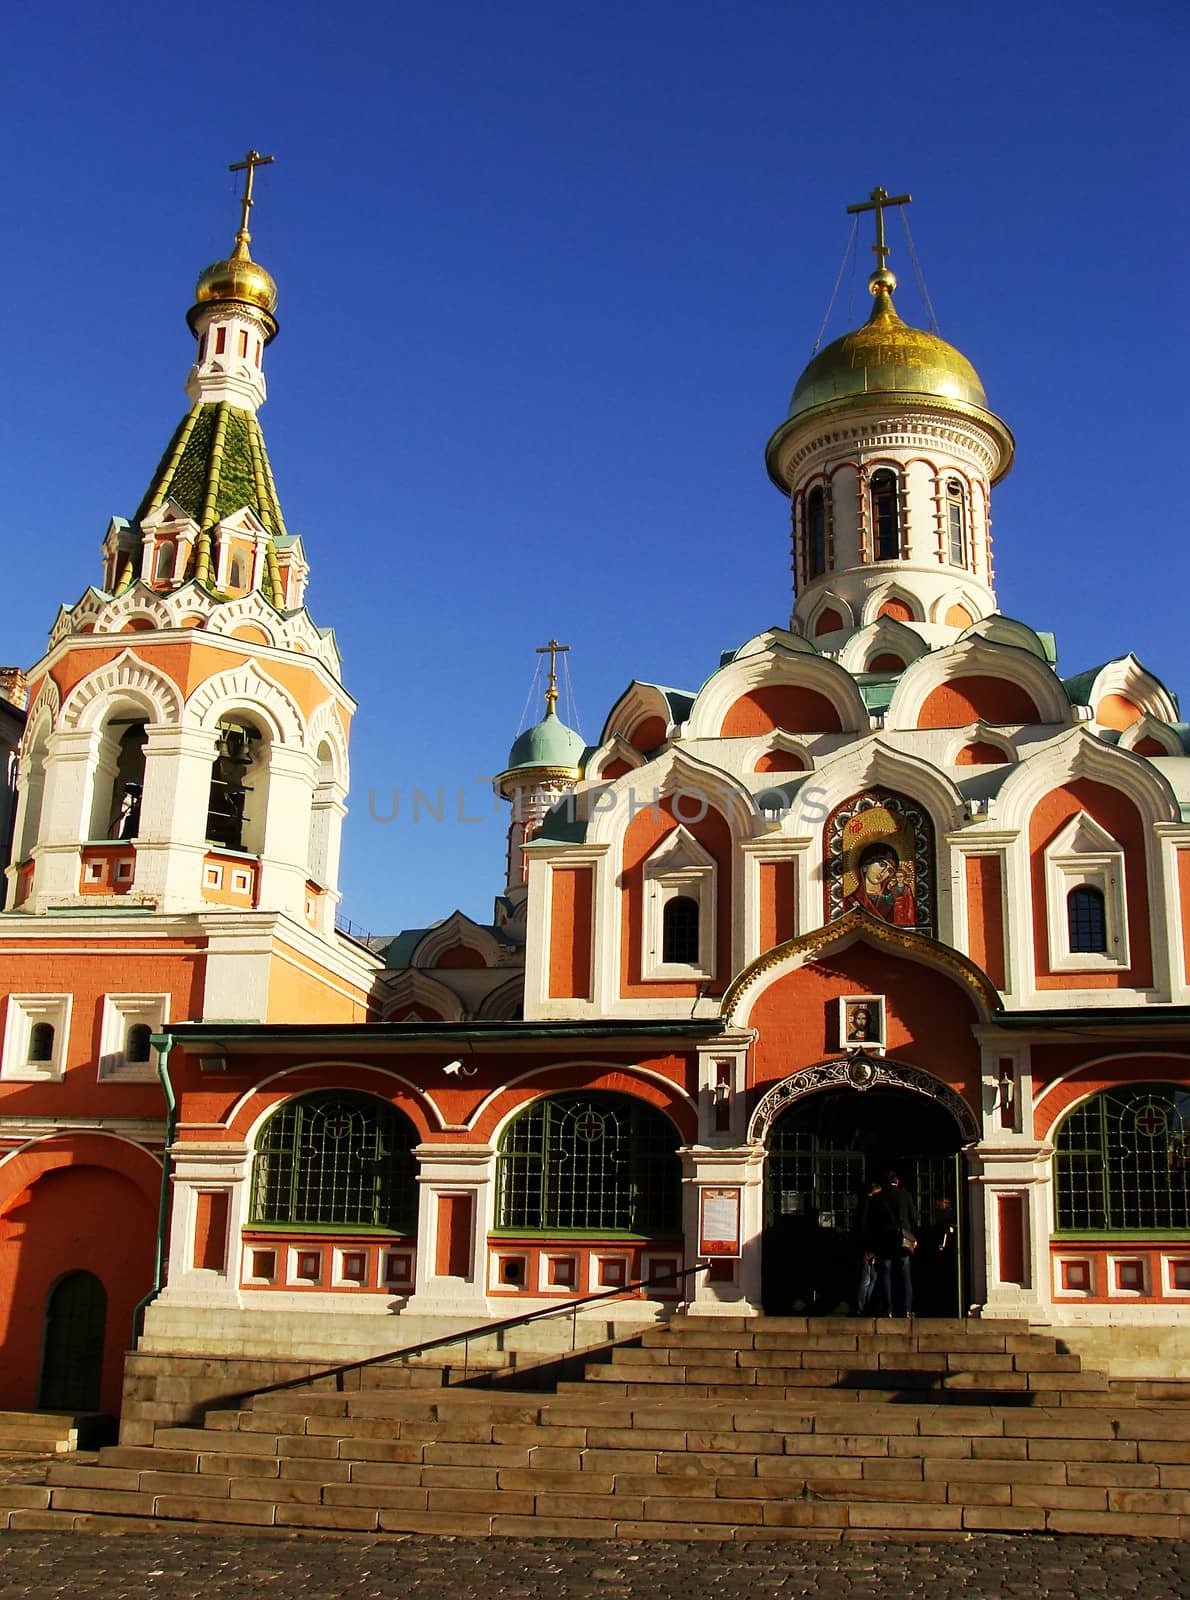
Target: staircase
[(42, 1432), (708, 1427)]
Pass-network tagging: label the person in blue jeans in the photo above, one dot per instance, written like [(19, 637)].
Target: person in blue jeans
[(865, 1244), (894, 1235)]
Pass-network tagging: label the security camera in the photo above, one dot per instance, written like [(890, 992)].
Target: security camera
[(453, 1069)]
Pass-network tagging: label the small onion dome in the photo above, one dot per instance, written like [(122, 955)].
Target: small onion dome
[(888, 357), (239, 281), (548, 743), (548, 749)]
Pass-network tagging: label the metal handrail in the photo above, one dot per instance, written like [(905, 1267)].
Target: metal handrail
[(479, 1331)]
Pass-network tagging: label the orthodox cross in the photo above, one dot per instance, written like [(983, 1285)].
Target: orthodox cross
[(876, 201), (1150, 1122), (248, 166), (553, 650)]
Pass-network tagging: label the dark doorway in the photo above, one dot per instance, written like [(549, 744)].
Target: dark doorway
[(821, 1154), (72, 1362)]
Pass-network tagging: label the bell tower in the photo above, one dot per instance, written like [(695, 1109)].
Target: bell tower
[(186, 746)]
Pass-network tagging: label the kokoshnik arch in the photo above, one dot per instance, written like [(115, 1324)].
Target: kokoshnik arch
[(886, 888)]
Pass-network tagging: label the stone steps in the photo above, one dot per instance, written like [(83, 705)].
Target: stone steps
[(639, 1449), (41, 1432)]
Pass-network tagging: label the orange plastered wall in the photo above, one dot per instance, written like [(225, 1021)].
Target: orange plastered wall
[(974, 699), (778, 902), (1184, 898), (1059, 1069), (781, 705), (73, 1218), (572, 895), (189, 662), (985, 915), (648, 734), (1114, 812), (927, 1015), (89, 973), (310, 993), (641, 837)]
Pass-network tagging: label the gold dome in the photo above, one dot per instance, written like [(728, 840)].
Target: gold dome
[(237, 278), (886, 356)]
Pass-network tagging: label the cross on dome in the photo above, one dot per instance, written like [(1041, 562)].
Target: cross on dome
[(248, 167), (876, 201), (553, 650)]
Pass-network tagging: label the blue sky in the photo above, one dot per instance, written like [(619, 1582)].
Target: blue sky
[(547, 276)]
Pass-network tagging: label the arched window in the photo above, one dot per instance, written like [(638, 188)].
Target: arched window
[(1122, 1161), (1086, 919), (816, 533), (886, 514), (136, 1044), (238, 578), (123, 808), (229, 809), (602, 1162), (336, 1160), (41, 1043), (956, 522), (679, 930), (323, 817)]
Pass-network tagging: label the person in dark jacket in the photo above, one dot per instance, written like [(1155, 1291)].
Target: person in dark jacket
[(893, 1223)]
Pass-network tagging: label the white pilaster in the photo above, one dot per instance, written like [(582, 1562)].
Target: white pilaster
[(171, 842), (287, 830), (444, 1174)]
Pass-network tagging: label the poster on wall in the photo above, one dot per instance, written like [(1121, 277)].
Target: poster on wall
[(719, 1221)]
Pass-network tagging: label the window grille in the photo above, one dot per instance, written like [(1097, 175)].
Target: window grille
[(1122, 1161), (334, 1159), (601, 1163), (679, 930), (886, 515), (1086, 919)]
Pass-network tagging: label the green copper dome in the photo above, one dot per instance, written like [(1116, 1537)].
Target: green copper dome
[(548, 743)]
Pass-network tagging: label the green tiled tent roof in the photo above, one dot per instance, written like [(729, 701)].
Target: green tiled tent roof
[(215, 463)]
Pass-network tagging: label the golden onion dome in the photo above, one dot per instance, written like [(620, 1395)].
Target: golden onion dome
[(238, 278), (886, 356)]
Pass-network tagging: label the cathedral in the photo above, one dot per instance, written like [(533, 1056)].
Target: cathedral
[(886, 891)]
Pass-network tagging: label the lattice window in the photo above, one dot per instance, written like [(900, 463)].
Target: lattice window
[(333, 1159), (601, 1163), (1086, 919), (1122, 1162)]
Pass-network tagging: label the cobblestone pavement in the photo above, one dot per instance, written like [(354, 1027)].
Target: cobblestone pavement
[(218, 1566)]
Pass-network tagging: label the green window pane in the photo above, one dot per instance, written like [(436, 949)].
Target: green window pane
[(336, 1159), (594, 1162), (1122, 1161)]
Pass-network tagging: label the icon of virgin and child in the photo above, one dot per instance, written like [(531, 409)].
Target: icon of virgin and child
[(885, 886)]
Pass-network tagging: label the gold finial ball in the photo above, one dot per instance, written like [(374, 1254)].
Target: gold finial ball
[(882, 282), (238, 278)]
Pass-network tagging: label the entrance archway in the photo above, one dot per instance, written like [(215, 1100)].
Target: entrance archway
[(72, 1363), (826, 1137)]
